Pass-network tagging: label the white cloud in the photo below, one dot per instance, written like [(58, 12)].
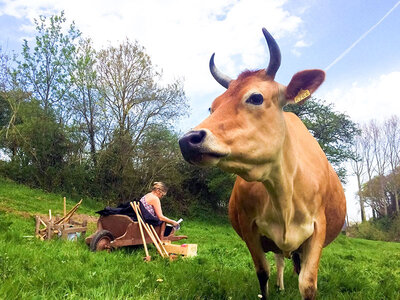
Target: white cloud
[(298, 45), (376, 98), (179, 35), (301, 44)]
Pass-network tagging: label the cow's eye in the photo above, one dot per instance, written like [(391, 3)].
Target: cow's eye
[(255, 99), (209, 110)]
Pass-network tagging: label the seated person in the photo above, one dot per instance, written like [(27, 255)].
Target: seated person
[(152, 203)]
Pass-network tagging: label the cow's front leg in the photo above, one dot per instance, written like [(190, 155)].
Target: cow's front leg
[(260, 262), (310, 256)]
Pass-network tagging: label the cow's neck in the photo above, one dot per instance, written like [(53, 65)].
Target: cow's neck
[(281, 175), (280, 189)]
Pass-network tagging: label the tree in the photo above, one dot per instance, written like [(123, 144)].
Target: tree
[(133, 96), (391, 130), (380, 145), (86, 98), (357, 164), (334, 131), (134, 101), (45, 70), (11, 97), (380, 149), (157, 155), (5, 109), (40, 146)]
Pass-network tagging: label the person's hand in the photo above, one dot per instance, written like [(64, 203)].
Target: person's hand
[(176, 225)]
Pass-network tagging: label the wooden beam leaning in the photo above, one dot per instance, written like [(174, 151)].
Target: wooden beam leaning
[(152, 230), (37, 225), (159, 240), (149, 233), (69, 214), (148, 257), (65, 207)]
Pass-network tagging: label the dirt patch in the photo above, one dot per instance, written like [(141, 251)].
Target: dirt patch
[(24, 214), (76, 217)]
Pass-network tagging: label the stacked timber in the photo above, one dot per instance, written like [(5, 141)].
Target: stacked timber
[(63, 227)]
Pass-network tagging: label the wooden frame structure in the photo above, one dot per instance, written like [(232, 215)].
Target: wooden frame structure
[(64, 227)]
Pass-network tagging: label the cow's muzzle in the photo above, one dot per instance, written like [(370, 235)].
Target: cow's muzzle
[(195, 148)]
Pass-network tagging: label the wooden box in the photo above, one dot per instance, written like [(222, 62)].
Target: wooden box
[(188, 250)]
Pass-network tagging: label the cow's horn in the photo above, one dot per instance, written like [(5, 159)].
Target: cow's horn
[(274, 54), (222, 79)]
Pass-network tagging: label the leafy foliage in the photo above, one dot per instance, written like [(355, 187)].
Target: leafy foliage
[(383, 229), (45, 69), (40, 147)]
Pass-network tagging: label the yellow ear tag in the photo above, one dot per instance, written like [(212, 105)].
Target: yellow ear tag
[(302, 94)]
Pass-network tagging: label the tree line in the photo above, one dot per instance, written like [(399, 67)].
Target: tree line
[(376, 165), (100, 123)]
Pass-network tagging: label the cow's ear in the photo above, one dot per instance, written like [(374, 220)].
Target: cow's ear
[(302, 85)]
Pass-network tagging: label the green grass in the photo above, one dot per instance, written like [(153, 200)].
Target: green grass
[(17, 197), (57, 269)]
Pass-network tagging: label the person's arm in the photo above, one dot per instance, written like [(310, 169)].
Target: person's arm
[(157, 209)]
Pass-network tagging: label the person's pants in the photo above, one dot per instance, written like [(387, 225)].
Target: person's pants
[(168, 230)]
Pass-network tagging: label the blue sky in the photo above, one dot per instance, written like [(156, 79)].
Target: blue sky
[(181, 35)]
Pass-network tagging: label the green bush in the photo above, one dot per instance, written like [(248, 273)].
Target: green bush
[(368, 230), (394, 230), (383, 229)]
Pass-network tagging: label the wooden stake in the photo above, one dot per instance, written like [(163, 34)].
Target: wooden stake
[(141, 233), (41, 221), (159, 240), (149, 233), (37, 226), (151, 228), (65, 206), (154, 239), (50, 230), (69, 214)]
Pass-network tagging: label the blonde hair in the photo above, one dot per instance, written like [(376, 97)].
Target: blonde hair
[(158, 185)]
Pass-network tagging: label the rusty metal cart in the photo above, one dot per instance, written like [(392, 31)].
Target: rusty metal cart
[(116, 231)]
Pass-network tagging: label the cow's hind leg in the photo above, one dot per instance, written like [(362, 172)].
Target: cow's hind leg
[(280, 265)]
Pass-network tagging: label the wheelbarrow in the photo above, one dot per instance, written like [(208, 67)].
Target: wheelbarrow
[(116, 231)]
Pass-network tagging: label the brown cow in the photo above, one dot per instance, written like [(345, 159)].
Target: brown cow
[(287, 198)]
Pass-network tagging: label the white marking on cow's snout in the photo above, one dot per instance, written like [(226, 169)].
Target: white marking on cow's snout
[(212, 145)]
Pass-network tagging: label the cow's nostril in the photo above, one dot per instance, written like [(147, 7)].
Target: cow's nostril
[(197, 137), (191, 144)]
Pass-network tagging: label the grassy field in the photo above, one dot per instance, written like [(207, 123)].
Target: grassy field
[(32, 269)]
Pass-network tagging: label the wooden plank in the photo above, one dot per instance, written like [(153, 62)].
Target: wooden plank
[(41, 221), (69, 214), (136, 208), (188, 250), (74, 229), (65, 207), (141, 230), (37, 225), (158, 240), (50, 230)]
